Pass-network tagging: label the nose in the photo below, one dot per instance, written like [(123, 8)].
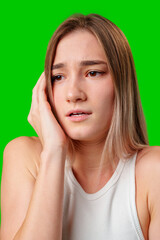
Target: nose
[(75, 91)]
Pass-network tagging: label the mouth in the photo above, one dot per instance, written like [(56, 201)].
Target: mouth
[(77, 112), (78, 115)]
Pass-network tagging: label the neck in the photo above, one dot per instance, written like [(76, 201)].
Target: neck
[(88, 157), (91, 173)]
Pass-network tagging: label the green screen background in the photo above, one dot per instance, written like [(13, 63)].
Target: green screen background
[(26, 29)]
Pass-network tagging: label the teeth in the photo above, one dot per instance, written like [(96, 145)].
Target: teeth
[(77, 113)]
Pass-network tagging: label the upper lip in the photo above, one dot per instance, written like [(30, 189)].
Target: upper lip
[(78, 111)]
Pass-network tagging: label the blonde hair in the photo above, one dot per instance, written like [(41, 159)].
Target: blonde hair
[(127, 133)]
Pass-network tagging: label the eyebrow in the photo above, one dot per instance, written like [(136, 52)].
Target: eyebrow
[(82, 63)]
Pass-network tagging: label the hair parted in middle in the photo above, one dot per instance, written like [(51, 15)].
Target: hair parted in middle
[(127, 132)]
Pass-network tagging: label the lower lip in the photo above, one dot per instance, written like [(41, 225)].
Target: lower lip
[(78, 118)]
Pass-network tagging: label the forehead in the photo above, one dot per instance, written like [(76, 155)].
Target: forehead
[(79, 45)]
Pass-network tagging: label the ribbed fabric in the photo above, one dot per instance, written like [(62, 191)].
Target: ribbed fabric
[(109, 214)]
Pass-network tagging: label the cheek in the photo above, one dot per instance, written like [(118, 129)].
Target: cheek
[(105, 104), (105, 96)]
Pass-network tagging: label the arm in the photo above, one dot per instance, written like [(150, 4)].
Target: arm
[(154, 196), (31, 209), (32, 206)]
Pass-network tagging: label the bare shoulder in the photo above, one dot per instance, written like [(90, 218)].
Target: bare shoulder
[(148, 190), (24, 151), (148, 165), (148, 160), (30, 144), (20, 170)]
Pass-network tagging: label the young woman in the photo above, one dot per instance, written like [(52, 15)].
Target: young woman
[(90, 174)]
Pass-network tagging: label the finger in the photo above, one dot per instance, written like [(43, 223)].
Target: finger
[(44, 106), (34, 110), (43, 103), (42, 83), (35, 91), (39, 80), (42, 90)]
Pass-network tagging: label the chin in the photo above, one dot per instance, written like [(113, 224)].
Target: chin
[(86, 133), (79, 135), (84, 136)]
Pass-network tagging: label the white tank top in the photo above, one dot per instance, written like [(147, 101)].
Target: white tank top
[(109, 214)]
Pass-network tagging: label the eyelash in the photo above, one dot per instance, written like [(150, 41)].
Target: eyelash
[(54, 77)]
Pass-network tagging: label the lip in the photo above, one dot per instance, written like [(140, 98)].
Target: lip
[(78, 118), (78, 111)]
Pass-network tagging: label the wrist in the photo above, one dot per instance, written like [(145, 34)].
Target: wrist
[(58, 155)]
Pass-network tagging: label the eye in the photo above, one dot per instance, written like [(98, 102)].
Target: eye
[(56, 78), (95, 73)]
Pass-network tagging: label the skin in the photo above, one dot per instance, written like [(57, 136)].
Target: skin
[(87, 87), (76, 87), (22, 156)]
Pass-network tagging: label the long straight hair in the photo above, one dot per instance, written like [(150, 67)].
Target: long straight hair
[(127, 133)]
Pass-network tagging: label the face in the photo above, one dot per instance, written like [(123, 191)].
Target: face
[(82, 83)]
